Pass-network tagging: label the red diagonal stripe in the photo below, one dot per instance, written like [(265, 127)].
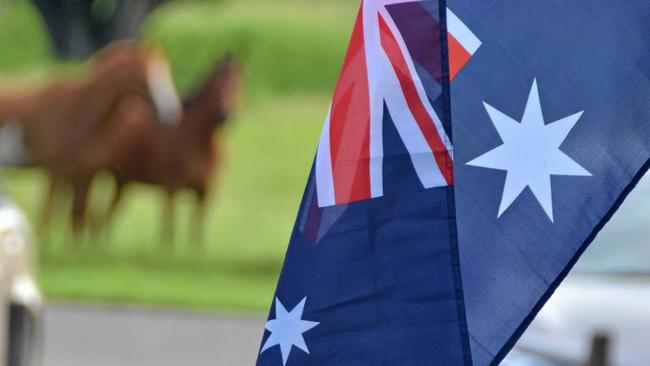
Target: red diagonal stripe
[(350, 124), (422, 117)]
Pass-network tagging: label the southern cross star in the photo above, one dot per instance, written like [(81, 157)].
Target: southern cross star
[(530, 153), (287, 329)]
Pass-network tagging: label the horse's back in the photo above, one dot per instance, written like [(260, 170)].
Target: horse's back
[(137, 148)]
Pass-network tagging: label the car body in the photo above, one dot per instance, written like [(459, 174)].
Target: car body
[(607, 295), (614, 305), (20, 343)]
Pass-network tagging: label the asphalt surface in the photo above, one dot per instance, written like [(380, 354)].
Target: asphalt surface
[(78, 335)]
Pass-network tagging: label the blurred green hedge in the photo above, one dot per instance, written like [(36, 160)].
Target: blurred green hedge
[(288, 46)]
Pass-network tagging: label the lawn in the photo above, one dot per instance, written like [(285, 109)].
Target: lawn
[(292, 50)]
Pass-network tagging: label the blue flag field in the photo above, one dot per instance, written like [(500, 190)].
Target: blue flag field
[(472, 151)]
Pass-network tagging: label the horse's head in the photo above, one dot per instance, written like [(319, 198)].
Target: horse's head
[(144, 71), (221, 93)]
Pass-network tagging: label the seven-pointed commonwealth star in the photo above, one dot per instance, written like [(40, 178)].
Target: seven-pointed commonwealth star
[(530, 153), (287, 329)]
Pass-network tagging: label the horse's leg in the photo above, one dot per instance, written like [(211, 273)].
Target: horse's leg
[(199, 218), (168, 220), (107, 219), (80, 191)]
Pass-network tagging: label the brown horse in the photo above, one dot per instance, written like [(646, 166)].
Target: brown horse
[(183, 156), (61, 125)]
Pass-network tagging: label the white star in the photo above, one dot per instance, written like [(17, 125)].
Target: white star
[(530, 153), (287, 329)]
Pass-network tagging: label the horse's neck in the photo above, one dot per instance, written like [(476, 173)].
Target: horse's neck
[(197, 122)]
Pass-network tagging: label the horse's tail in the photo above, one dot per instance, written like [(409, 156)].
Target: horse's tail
[(9, 108), (4, 112)]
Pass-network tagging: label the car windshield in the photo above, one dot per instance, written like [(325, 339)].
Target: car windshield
[(623, 246)]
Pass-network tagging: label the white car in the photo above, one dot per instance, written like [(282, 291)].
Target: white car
[(20, 340), (606, 298)]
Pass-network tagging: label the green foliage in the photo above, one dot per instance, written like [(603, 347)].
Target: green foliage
[(288, 46), (23, 46), (292, 50)]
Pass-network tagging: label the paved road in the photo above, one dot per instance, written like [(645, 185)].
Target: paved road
[(116, 336)]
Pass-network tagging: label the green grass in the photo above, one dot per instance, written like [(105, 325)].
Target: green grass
[(292, 50)]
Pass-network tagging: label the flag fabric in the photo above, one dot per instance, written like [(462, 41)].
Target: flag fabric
[(472, 151), (397, 45), (575, 77)]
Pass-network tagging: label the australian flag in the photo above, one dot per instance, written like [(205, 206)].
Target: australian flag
[(472, 151)]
